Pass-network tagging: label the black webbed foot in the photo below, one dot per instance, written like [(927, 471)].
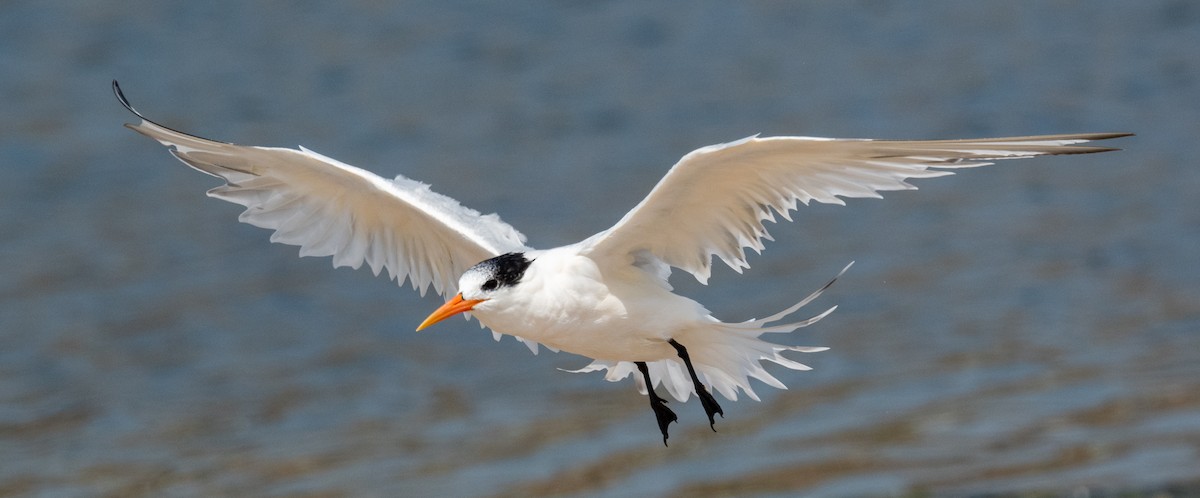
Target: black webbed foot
[(663, 414), (711, 407)]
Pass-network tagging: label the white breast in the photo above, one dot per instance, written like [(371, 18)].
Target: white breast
[(564, 301)]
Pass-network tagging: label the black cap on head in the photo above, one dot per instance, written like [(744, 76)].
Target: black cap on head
[(504, 270)]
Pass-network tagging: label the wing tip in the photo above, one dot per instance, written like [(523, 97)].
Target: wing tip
[(116, 87), (1093, 137), (1108, 135)]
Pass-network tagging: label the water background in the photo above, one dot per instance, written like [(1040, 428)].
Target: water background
[(1029, 326)]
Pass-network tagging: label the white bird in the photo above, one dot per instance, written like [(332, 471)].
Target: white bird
[(606, 297)]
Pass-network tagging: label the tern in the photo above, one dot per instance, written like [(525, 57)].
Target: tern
[(606, 297)]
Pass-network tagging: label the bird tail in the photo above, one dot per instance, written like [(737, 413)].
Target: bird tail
[(725, 355)]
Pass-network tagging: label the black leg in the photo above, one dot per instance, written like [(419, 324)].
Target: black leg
[(710, 403), (664, 415)]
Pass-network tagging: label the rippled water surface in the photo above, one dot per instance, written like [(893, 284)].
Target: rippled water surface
[(1029, 326)]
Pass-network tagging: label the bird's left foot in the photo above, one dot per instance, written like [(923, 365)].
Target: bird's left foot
[(710, 407), (710, 403)]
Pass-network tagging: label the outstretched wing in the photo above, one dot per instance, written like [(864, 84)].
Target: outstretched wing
[(714, 200), (330, 208)]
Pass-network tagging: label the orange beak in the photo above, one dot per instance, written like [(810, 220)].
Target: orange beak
[(452, 307)]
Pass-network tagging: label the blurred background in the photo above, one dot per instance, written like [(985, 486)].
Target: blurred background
[(1028, 327)]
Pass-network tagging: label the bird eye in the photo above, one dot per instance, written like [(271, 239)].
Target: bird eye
[(489, 285)]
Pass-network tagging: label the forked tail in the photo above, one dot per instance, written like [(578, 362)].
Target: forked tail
[(726, 355)]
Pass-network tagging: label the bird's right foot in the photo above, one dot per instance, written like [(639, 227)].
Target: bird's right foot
[(664, 415)]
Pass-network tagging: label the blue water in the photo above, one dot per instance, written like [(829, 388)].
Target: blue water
[(1029, 326)]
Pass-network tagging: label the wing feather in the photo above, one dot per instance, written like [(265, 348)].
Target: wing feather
[(714, 200), (330, 208)]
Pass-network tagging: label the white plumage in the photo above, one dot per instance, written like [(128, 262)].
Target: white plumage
[(606, 297)]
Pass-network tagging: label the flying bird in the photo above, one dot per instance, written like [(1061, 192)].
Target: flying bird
[(606, 297)]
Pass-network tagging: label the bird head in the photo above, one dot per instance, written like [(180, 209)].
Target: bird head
[(484, 282)]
